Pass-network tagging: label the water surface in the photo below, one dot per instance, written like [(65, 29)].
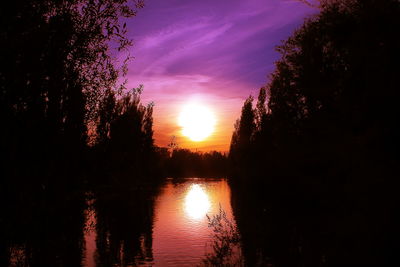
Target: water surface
[(180, 234)]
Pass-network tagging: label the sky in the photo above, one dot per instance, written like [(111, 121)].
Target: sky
[(211, 52)]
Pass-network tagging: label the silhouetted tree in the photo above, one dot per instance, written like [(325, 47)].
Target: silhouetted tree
[(57, 66), (261, 110), (242, 136), (125, 142), (106, 115), (328, 141), (186, 163), (56, 61)]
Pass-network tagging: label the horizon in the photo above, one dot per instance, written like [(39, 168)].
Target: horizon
[(217, 54)]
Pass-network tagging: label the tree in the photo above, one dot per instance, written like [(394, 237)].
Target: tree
[(261, 109), (56, 63), (330, 138), (242, 137)]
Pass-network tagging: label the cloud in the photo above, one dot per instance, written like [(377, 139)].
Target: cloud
[(220, 50)]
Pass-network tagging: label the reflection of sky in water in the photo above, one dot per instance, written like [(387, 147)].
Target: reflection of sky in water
[(196, 202), (181, 235), (180, 232)]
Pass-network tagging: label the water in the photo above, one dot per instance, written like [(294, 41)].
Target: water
[(179, 234)]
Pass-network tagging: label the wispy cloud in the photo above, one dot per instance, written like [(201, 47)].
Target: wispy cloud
[(219, 50)]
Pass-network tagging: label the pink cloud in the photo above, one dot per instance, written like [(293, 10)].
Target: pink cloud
[(220, 51)]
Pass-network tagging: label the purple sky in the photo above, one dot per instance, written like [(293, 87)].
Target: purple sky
[(213, 51)]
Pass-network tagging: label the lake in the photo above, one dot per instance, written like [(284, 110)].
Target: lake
[(178, 234)]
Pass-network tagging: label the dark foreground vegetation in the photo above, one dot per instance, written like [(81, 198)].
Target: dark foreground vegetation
[(73, 133), (69, 128), (315, 162)]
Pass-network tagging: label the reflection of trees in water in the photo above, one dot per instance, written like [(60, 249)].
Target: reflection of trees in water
[(124, 227), (41, 228), (44, 228)]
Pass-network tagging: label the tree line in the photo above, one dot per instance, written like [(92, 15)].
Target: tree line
[(321, 141), (180, 162)]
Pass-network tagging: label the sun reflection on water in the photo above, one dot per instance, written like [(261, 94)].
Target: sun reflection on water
[(196, 203)]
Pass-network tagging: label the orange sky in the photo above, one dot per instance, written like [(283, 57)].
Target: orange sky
[(166, 126), (218, 52)]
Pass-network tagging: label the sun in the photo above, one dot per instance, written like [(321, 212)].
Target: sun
[(197, 121)]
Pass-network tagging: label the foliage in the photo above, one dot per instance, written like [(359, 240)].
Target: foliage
[(335, 83), (57, 59), (327, 138), (226, 242), (60, 84), (124, 134), (242, 137), (186, 163)]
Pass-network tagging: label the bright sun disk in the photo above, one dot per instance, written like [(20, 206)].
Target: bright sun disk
[(197, 122)]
